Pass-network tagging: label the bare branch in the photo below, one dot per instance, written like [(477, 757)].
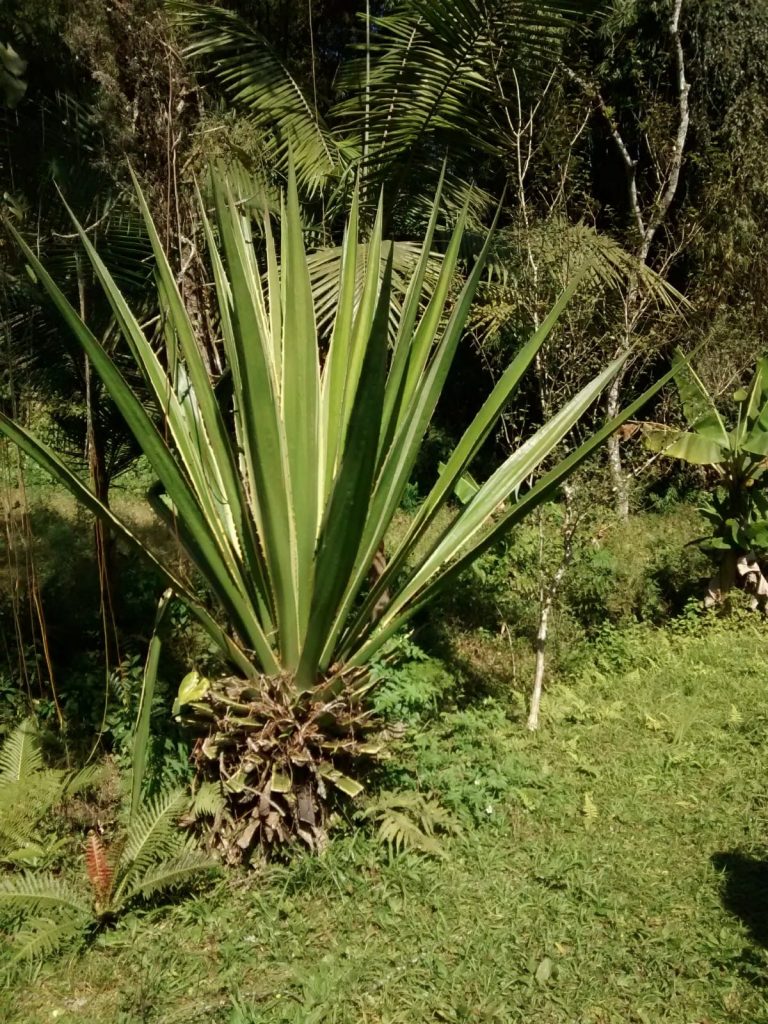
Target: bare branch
[(676, 163), (630, 165)]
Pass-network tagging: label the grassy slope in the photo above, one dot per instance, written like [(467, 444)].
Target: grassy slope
[(624, 861)]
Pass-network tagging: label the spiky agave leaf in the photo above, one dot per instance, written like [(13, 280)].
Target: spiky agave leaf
[(283, 491)]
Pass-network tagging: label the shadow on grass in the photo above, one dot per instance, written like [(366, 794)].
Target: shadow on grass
[(745, 891)]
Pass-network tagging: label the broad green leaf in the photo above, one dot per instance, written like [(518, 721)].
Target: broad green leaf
[(683, 444), (193, 687), (698, 406)]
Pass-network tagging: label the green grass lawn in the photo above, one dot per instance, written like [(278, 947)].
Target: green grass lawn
[(609, 869)]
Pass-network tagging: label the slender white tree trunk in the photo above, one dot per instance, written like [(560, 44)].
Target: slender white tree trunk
[(538, 676), (548, 594), (619, 479), (646, 219)]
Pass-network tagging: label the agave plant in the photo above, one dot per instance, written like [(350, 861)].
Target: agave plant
[(47, 911), (738, 507), (281, 478)]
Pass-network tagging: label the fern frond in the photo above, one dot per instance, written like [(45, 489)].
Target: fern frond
[(23, 804), (409, 820), (152, 836), (208, 801), (20, 755), (79, 781), (169, 874), (31, 892), (433, 817), (401, 833), (589, 810), (16, 828), (44, 937), (34, 794), (31, 854)]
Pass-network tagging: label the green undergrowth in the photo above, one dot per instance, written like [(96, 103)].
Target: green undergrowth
[(610, 869)]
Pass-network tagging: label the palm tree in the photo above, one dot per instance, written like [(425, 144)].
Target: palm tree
[(429, 77)]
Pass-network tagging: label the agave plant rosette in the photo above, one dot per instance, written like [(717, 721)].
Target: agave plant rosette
[(281, 478)]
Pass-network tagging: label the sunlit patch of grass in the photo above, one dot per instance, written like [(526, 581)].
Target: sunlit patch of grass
[(619, 878)]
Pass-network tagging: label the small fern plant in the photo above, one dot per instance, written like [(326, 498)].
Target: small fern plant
[(410, 821), (29, 791), (47, 912)]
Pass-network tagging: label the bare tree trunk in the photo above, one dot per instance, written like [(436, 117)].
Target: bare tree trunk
[(646, 223), (548, 595), (99, 480), (104, 544), (619, 479), (538, 676)]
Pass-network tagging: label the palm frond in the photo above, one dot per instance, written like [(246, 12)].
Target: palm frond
[(436, 79), (258, 81), (325, 277), (559, 250), (431, 68)]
